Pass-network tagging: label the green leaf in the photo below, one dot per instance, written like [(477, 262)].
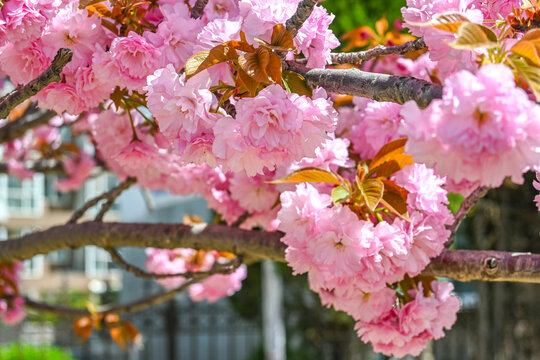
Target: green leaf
[(372, 192), (295, 83), (530, 72), (310, 174), (339, 194), (455, 201), (473, 36)]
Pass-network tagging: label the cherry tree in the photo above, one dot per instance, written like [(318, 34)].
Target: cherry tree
[(338, 163)]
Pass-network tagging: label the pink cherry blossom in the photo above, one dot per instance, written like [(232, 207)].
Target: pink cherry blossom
[(217, 286), (23, 64), (21, 23), (483, 130), (273, 128), (130, 60), (78, 169), (61, 97), (17, 169)]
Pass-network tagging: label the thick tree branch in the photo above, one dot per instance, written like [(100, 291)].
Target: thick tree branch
[(249, 244), (379, 87), (198, 9), (463, 265), (305, 7), (468, 265), (380, 50), (52, 74), (30, 120)]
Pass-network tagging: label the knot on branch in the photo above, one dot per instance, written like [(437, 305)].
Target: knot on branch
[(491, 266)]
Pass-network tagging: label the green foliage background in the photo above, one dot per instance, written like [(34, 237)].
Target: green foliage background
[(17, 351), (352, 14)]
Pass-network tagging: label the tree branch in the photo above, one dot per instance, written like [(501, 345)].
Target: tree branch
[(469, 265), (466, 207), (295, 22), (110, 195), (380, 50), (463, 265), (134, 306), (140, 304), (227, 268), (15, 129), (52, 74), (42, 166), (198, 9), (379, 87)]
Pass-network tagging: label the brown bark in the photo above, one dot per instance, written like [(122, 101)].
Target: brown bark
[(462, 265), (52, 74), (380, 50), (379, 87)]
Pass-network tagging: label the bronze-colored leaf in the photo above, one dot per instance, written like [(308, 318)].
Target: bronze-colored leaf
[(388, 152), (100, 9), (240, 45), (83, 327), (207, 58), (273, 68), (372, 192), (126, 335), (473, 36), (528, 49), (395, 199), (282, 38), (392, 166), (309, 174), (255, 64), (248, 82), (450, 21)]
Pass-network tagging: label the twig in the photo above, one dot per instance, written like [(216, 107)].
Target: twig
[(465, 208), (110, 195), (42, 166), (227, 268), (252, 245), (295, 22), (198, 9), (29, 120), (380, 50), (134, 306), (379, 87), (113, 194), (141, 304), (52, 74), (241, 219)]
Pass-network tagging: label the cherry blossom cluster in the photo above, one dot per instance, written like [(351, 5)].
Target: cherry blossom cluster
[(350, 261), (11, 304), (183, 260)]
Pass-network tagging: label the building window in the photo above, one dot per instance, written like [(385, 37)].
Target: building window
[(97, 262), (22, 198)]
